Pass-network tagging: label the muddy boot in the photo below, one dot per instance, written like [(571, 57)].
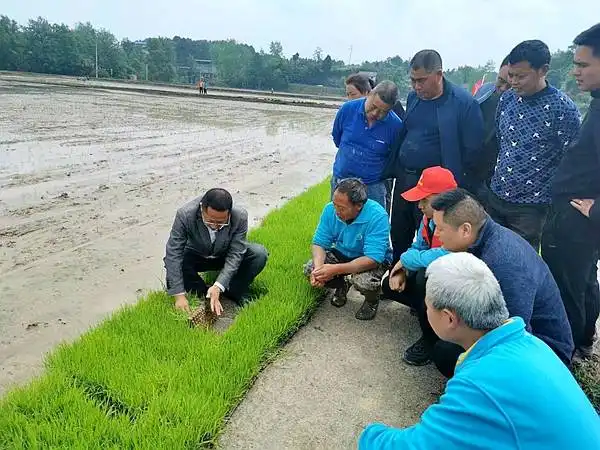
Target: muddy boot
[(340, 297), (368, 310)]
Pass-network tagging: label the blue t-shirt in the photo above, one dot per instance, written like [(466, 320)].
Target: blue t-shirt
[(363, 151), (421, 147), (534, 134)]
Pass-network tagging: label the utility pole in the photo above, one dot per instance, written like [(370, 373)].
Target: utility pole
[(96, 55), (146, 71), (350, 57)]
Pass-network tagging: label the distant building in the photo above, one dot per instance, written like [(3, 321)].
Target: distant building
[(205, 68)]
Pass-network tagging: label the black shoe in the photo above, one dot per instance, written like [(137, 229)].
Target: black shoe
[(340, 297), (418, 354), (368, 310)]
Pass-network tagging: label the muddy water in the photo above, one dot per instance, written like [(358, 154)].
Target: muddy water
[(90, 181)]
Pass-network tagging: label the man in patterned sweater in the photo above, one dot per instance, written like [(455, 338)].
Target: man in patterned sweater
[(535, 124)]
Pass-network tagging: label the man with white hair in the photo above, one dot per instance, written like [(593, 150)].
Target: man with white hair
[(509, 391)]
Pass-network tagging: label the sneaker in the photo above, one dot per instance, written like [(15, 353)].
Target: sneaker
[(418, 354)]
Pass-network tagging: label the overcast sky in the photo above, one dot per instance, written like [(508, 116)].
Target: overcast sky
[(463, 31)]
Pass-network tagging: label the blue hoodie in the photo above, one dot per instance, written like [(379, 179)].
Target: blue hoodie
[(509, 392)]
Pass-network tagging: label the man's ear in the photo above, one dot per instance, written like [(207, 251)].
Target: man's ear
[(452, 318), (544, 69), (467, 228)]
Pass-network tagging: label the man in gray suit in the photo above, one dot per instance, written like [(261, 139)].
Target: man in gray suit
[(210, 234)]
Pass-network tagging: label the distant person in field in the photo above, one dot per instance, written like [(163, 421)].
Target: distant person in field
[(352, 239), (205, 86), (571, 237), (364, 131), (443, 127), (484, 162), (209, 234), (406, 281), (535, 124), (201, 86), (509, 392)]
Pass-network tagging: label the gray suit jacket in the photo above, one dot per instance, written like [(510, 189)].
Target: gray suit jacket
[(190, 234)]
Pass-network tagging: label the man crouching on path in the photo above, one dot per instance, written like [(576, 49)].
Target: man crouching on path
[(209, 234), (510, 391), (352, 238)]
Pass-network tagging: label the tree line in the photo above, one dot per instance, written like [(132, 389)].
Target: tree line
[(44, 47)]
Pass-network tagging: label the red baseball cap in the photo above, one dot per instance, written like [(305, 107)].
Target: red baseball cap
[(434, 180)]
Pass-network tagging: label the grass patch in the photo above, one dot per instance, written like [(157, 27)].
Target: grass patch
[(587, 374), (144, 380)]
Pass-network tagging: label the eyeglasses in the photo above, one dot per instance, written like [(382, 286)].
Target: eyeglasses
[(214, 225)]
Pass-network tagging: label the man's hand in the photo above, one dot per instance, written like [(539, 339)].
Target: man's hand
[(214, 294), (583, 205), (182, 303), (314, 282), (397, 280), (325, 273)]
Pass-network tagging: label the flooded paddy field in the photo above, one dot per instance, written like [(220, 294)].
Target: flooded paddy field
[(90, 181)]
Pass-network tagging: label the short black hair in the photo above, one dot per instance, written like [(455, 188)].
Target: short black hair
[(217, 199), (534, 51), (459, 207), (504, 62), (360, 82), (590, 38), (355, 189), (428, 60)]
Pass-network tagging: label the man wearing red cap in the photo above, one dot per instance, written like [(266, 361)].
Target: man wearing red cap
[(406, 282)]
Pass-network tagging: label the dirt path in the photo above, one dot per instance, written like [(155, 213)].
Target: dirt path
[(89, 183), (335, 376)]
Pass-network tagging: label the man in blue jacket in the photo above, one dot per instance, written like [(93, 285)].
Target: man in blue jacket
[(364, 131), (352, 238), (443, 127), (527, 284), (406, 282), (510, 391)]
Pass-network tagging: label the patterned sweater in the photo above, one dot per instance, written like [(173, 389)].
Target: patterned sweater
[(534, 133)]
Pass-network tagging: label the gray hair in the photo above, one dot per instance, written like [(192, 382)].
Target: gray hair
[(387, 92), (428, 60), (355, 189), (464, 284)]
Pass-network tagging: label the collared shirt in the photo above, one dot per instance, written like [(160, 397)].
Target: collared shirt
[(363, 151), (534, 133)]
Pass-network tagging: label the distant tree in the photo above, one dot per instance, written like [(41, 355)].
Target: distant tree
[(318, 54), (276, 49)]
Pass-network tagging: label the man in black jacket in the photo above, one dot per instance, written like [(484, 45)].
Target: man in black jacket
[(571, 239)]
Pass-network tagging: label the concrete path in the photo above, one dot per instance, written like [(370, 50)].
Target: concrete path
[(336, 375)]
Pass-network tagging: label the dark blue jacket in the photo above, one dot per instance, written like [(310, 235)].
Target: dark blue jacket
[(461, 133), (527, 284)]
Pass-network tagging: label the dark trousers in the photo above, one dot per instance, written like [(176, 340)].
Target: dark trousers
[(253, 263), (524, 219), (405, 216), (444, 354), (570, 247)]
